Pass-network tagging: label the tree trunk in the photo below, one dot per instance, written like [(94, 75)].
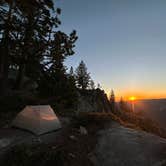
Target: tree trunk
[(4, 58), (4, 71), (23, 63), (20, 76)]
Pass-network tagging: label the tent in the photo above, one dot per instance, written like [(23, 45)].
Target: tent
[(37, 119)]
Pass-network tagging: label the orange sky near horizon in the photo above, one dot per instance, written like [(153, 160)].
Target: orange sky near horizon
[(138, 94)]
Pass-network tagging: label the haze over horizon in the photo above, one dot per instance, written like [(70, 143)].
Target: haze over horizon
[(122, 43)]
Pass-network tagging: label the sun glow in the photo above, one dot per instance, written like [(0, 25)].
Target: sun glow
[(132, 98)]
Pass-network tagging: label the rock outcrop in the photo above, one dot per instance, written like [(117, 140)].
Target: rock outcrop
[(93, 101), (121, 146)]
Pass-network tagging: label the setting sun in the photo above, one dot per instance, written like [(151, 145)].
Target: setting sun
[(132, 98)]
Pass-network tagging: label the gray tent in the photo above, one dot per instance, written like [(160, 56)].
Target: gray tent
[(37, 119)]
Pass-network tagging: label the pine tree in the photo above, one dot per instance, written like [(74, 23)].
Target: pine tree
[(71, 72), (36, 24), (124, 106), (60, 48), (30, 43), (82, 76), (99, 86), (92, 84), (24, 27), (72, 76), (6, 13), (112, 101)]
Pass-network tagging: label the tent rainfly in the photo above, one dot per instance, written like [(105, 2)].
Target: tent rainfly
[(37, 119)]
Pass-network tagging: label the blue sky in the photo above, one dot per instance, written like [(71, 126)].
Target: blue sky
[(123, 43)]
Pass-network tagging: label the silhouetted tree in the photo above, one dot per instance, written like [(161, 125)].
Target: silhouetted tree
[(112, 100), (55, 72), (71, 77), (124, 106), (24, 27), (29, 42), (6, 12), (71, 72), (82, 76), (91, 84), (99, 86), (36, 24), (31, 45)]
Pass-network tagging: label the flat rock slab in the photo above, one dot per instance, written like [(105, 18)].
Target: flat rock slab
[(9, 136), (120, 146)]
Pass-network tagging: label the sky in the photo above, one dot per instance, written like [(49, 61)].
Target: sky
[(122, 42)]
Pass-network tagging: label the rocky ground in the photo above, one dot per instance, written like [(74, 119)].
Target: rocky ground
[(120, 146), (69, 146), (84, 141)]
